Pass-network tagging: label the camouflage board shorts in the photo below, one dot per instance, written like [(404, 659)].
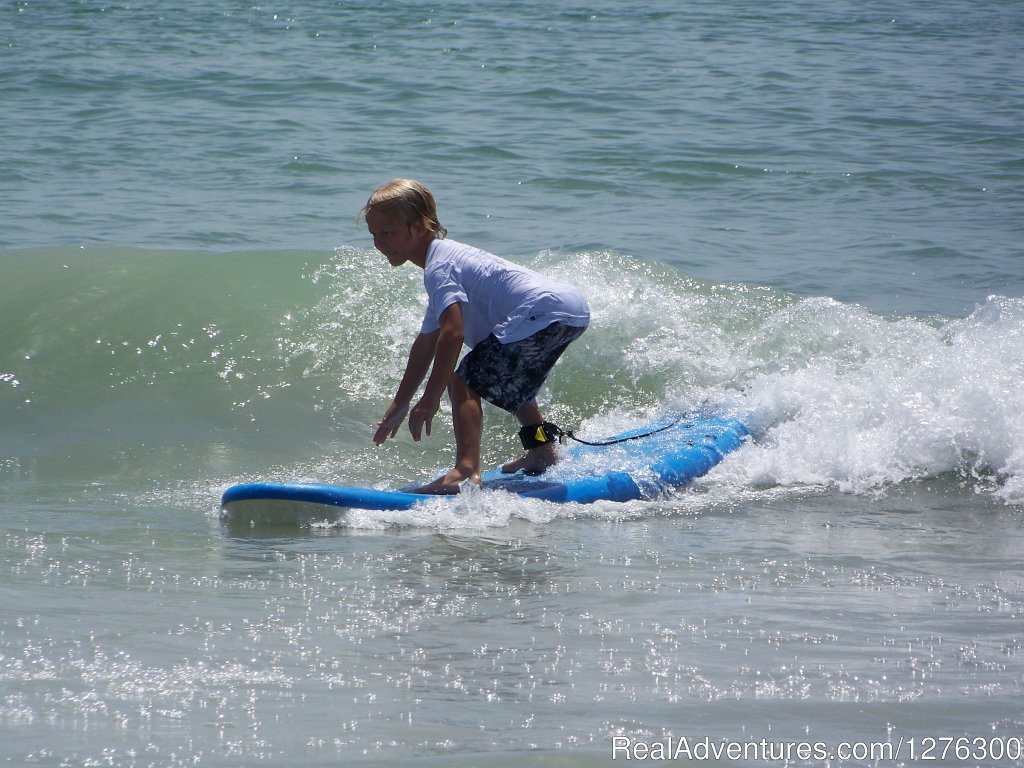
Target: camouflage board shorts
[(510, 375)]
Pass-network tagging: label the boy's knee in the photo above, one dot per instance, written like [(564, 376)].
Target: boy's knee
[(459, 390)]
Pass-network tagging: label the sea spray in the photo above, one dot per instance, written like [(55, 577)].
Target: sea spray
[(857, 401)]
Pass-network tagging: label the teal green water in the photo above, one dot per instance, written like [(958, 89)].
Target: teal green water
[(864, 151), (806, 213)]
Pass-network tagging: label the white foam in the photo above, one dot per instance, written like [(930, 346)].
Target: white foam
[(855, 401)]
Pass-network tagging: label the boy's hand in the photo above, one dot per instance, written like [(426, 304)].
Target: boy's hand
[(423, 415), (393, 418)]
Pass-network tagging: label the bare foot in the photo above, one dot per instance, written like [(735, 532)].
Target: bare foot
[(448, 484), (534, 461)]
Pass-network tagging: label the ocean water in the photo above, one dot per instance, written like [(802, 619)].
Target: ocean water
[(807, 213)]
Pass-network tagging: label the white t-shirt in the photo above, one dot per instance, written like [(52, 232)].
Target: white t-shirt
[(497, 296)]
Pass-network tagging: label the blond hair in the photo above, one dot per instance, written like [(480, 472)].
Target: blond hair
[(408, 201)]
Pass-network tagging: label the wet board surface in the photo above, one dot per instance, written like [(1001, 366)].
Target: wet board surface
[(650, 460)]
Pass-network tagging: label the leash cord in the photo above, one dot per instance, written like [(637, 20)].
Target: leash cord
[(604, 443)]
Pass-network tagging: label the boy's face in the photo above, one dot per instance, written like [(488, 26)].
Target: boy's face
[(399, 241)]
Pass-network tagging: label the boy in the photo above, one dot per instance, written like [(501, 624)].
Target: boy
[(516, 321)]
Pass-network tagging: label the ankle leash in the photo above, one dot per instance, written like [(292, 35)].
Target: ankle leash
[(536, 435)]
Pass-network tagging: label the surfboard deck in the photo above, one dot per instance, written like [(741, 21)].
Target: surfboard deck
[(652, 459)]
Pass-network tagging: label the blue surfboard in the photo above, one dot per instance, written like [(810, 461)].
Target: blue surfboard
[(642, 463)]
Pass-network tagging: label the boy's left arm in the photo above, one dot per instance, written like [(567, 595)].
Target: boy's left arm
[(446, 355)]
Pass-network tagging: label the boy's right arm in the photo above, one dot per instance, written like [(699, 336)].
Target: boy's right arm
[(420, 357)]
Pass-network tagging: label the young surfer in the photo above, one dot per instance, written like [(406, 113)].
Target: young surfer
[(516, 322)]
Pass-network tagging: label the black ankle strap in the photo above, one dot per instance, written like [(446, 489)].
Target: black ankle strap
[(536, 435)]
